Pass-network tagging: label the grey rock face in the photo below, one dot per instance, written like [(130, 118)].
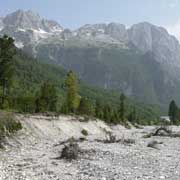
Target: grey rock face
[(166, 49), (91, 29), (108, 32), (140, 35), (51, 26), (147, 37), (1, 23), (30, 20), (117, 31), (24, 20), (66, 34)]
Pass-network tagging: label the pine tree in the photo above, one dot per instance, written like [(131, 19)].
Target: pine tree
[(132, 116), (114, 116), (72, 98), (64, 109), (7, 52), (173, 111), (122, 108), (85, 107), (99, 110), (47, 99), (107, 112)]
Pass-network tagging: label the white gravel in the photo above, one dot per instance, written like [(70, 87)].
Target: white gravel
[(31, 154)]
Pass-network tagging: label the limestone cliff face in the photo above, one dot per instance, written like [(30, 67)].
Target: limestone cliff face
[(166, 49)]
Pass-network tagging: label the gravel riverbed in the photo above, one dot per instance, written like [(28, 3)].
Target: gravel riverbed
[(28, 156)]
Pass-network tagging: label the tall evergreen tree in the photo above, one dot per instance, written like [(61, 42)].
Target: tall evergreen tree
[(107, 112), (122, 107), (47, 99), (173, 111), (72, 98), (99, 110), (7, 52), (132, 116), (85, 107)]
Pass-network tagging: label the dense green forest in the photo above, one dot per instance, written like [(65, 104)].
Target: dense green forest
[(39, 87)]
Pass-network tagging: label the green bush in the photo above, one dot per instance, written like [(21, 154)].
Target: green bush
[(84, 132), (8, 124)]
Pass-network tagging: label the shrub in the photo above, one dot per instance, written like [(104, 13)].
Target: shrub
[(70, 151), (110, 138), (8, 124), (84, 132)]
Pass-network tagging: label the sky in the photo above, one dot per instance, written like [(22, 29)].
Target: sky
[(75, 13)]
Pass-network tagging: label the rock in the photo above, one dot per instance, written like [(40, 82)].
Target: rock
[(154, 144)]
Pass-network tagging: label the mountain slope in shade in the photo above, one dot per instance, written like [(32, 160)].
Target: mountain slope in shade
[(137, 75)]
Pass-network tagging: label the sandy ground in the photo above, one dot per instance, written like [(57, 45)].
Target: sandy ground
[(31, 154)]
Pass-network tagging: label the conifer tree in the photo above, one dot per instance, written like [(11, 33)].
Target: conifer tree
[(132, 116), (173, 111), (72, 98), (47, 99), (99, 110), (7, 52), (107, 112), (122, 107), (85, 107)]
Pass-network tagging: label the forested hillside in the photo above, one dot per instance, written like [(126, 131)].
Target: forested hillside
[(31, 73)]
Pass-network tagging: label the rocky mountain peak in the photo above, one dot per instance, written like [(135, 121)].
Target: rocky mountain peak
[(25, 20), (147, 37), (28, 27)]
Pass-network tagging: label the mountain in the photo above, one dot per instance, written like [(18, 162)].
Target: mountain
[(143, 61)]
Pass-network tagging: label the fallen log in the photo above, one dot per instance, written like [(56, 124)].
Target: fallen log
[(162, 131), (159, 131)]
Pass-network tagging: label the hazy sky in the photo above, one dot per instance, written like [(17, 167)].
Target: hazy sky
[(74, 13)]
